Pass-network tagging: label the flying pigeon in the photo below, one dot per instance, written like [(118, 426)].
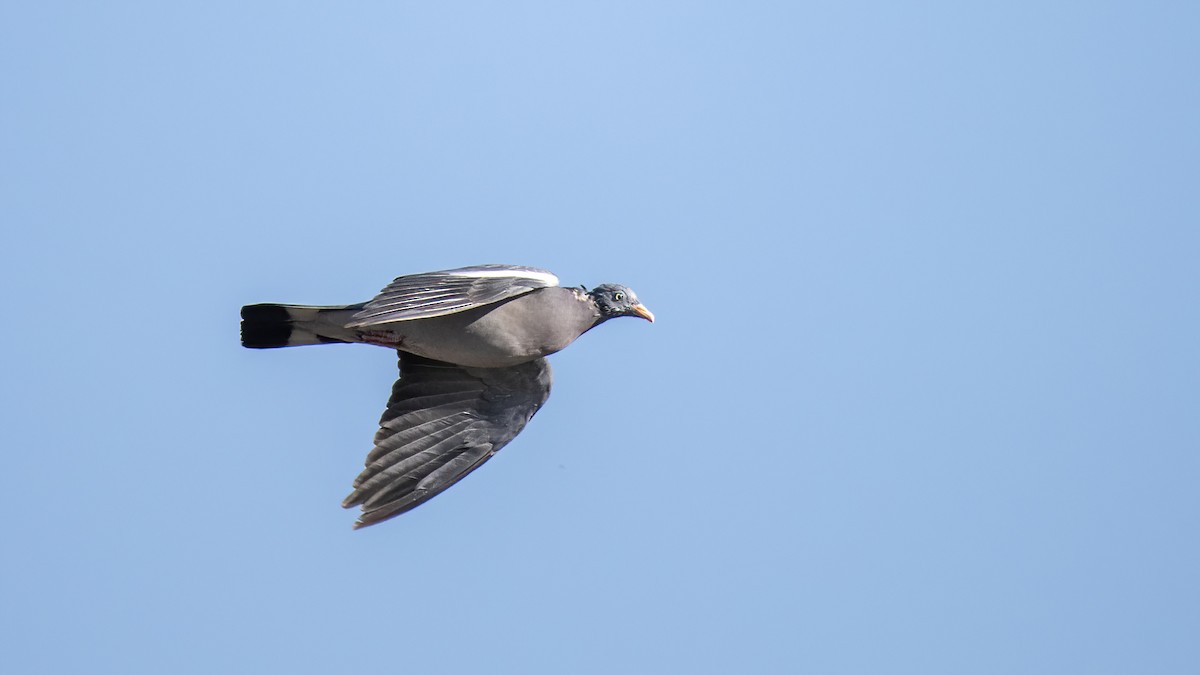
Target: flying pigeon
[(472, 343)]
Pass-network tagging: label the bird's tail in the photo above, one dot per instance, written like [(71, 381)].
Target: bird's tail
[(267, 326)]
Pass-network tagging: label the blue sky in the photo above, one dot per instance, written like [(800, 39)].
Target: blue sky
[(922, 396)]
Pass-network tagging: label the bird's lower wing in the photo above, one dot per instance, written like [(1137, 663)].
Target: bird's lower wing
[(441, 423), (421, 296)]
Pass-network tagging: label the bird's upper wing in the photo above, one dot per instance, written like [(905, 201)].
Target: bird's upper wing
[(441, 423), (420, 296)]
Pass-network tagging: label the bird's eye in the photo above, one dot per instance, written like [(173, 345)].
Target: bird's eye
[(618, 296)]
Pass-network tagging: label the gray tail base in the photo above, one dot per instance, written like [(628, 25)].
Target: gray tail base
[(269, 325)]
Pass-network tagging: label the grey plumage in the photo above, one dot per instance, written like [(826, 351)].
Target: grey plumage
[(419, 296), (443, 421), (472, 344)]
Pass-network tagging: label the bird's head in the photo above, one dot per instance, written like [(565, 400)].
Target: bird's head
[(616, 300)]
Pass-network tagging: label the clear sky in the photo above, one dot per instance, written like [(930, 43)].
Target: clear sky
[(923, 395)]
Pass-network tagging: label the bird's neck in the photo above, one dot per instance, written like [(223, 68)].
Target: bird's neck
[(589, 306)]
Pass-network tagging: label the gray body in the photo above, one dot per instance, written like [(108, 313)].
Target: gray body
[(516, 330), (529, 326)]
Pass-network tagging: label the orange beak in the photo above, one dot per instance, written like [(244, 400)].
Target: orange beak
[(643, 312)]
